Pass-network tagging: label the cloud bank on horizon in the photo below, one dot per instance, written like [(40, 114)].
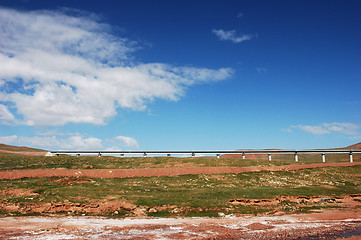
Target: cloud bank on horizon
[(75, 141), (72, 69)]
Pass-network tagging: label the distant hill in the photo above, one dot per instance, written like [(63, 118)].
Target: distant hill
[(5, 147), (355, 146)]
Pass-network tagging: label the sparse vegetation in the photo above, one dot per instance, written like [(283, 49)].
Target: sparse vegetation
[(13, 161), (188, 195)]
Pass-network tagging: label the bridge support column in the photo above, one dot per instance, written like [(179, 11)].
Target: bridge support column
[(296, 156), (217, 155), (243, 156), (168, 155), (351, 159), (122, 155), (99, 154), (269, 157), (77, 154), (144, 154), (323, 157), (193, 154)]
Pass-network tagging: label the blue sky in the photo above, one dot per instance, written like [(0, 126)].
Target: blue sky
[(180, 75)]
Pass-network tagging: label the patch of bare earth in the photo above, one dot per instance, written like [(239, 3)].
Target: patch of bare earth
[(18, 192), (114, 207), (296, 226), (151, 172)]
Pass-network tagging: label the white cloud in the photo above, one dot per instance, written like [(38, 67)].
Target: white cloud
[(231, 35), (313, 129), (70, 69), (328, 128), (6, 117), (73, 142), (8, 139), (128, 141), (52, 142)]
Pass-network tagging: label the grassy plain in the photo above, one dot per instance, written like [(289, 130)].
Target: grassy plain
[(13, 161), (188, 195)]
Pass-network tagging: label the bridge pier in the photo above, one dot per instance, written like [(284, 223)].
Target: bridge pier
[(351, 159), (218, 155), (323, 157), (144, 154), (243, 155), (168, 155), (269, 157), (193, 154), (296, 156)]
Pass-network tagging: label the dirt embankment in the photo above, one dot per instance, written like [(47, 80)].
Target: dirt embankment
[(151, 172), (112, 206), (352, 200)]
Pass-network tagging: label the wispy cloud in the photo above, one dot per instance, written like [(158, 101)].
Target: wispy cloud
[(240, 15), (128, 141), (59, 68), (328, 128), (261, 70), (231, 35)]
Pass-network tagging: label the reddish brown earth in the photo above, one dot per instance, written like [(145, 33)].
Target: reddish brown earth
[(150, 172), (355, 146)]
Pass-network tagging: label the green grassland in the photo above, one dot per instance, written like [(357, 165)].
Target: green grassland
[(192, 195), (187, 195)]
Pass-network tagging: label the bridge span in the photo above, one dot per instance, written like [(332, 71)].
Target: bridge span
[(296, 153)]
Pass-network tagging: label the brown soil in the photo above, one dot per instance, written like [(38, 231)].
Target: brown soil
[(17, 192), (355, 146), (150, 172), (105, 207)]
